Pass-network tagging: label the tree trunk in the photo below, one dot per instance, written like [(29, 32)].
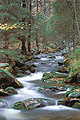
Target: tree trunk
[(37, 40), (29, 25), (23, 37), (74, 30)]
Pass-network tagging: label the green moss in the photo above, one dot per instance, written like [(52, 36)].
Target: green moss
[(19, 106), (20, 75), (57, 78), (76, 105), (61, 102), (68, 92), (74, 95), (20, 84), (11, 90)]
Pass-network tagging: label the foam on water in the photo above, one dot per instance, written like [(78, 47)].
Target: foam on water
[(33, 76), (45, 59), (57, 107), (59, 57), (62, 92)]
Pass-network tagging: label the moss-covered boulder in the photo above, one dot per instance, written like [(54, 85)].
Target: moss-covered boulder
[(11, 90), (4, 93), (74, 95), (72, 89), (32, 103), (51, 88), (76, 105), (54, 77), (73, 77), (60, 63), (2, 103), (63, 70), (61, 101), (7, 79)]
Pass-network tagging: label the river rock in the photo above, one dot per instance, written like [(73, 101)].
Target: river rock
[(74, 95), (3, 93), (33, 103), (27, 72), (76, 105), (52, 88), (11, 90), (7, 79), (2, 103), (32, 69), (60, 63), (19, 63), (63, 70)]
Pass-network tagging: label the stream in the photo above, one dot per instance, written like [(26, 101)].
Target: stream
[(31, 84)]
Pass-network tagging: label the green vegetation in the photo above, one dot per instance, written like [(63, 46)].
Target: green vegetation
[(32, 103), (74, 67), (54, 77), (11, 90)]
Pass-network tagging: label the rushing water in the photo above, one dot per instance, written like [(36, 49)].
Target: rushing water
[(31, 84)]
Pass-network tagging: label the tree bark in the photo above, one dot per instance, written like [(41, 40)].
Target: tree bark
[(37, 40), (23, 38), (29, 25)]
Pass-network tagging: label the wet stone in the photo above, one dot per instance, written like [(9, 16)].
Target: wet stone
[(32, 103)]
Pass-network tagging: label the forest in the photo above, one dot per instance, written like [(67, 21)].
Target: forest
[(40, 59)]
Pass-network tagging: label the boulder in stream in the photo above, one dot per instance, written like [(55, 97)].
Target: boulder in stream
[(33, 103), (4, 93), (60, 63), (7, 79), (52, 88), (63, 70), (11, 90), (2, 103), (72, 98)]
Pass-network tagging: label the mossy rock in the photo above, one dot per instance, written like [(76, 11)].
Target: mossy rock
[(19, 106), (75, 87), (4, 93), (68, 92), (63, 70), (54, 77), (61, 101), (74, 95), (11, 90), (72, 89), (51, 88), (7, 79), (17, 84), (2, 103), (76, 105), (32, 103), (20, 75)]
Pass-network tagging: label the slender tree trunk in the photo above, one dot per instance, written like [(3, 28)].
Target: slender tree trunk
[(23, 37), (74, 36), (29, 25), (44, 38), (23, 45), (37, 40), (74, 30)]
